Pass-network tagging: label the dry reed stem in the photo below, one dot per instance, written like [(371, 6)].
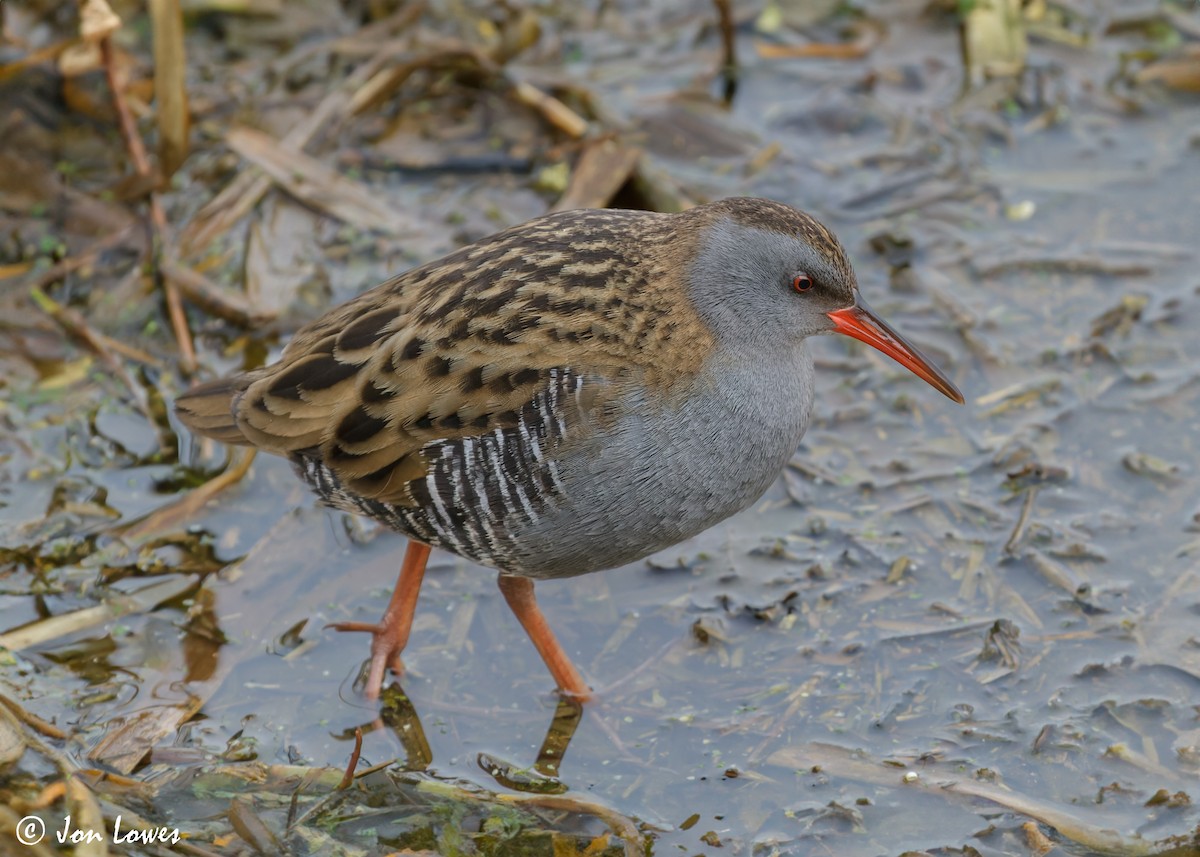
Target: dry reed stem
[(242, 194), (204, 293), (75, 326), (32, 720), (141, 164), (319, 186), (170, 85)]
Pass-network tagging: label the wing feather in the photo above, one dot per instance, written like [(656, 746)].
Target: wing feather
[(460, 348)]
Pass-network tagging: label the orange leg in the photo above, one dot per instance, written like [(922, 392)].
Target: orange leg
[(391, 633), (518, 592)]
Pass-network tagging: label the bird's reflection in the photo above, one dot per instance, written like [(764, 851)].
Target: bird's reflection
[(399, 716), (542, 777)]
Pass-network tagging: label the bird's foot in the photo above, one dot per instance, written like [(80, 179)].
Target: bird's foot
[(387, 642)]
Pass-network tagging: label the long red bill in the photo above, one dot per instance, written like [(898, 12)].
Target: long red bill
[(861, 322)]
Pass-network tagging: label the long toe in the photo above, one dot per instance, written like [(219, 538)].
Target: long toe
[(386, 646), (384, 652), (369, 627)]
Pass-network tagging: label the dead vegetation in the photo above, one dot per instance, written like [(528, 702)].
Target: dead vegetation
[(185, 183)]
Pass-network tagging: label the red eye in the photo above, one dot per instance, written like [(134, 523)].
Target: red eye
[(802, 283)]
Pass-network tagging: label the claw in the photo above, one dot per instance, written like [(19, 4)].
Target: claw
[(390, 634)]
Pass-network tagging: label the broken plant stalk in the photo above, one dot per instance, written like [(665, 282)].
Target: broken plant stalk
[(158, 219)]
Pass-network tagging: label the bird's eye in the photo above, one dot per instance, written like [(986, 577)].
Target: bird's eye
[(801, 282)]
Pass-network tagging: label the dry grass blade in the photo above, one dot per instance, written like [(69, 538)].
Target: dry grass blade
[(248, 825), (182, 509), (553, 111), (869, 35), (1054, 572), (1178, 72), (837, 761), (599, 173), (170, 89), (388, 80), (129, 739), (210, 297), (243, 193), (249, 8), (63, 624), (1018, 531), (317, 185), (1090, 835), (77, 327), (31, 720), (451, 52)]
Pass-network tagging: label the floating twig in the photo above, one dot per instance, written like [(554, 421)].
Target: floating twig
[(61, 624), (102, 346), (180, 510), (1022, 520), (32, 720), (942, 781), (211, 298)]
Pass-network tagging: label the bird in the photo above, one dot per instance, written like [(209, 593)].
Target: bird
[(568, 395)]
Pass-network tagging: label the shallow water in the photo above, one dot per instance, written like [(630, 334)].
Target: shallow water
[(1005, 592)]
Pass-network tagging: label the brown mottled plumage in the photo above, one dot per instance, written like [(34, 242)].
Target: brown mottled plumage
[(459, 346), (565, 396)]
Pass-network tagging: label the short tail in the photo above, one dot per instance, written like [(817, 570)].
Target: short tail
[(207, 409)]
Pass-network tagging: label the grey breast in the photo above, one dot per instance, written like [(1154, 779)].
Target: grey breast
[(662, 472), (557, 496)]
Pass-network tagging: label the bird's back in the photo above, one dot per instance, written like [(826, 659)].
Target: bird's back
[(446, 401), (550, 400)]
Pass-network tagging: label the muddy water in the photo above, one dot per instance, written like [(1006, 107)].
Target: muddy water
[(1006, 591)]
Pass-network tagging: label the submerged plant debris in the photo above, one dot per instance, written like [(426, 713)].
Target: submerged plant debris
[(949, 631)]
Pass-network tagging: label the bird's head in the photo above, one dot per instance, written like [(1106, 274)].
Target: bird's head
[(766, 273)]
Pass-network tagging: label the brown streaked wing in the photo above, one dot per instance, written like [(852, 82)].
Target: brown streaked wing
[(454, 350), (460, 347)]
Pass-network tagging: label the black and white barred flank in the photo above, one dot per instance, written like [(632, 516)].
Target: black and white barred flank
[(476, 489)]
